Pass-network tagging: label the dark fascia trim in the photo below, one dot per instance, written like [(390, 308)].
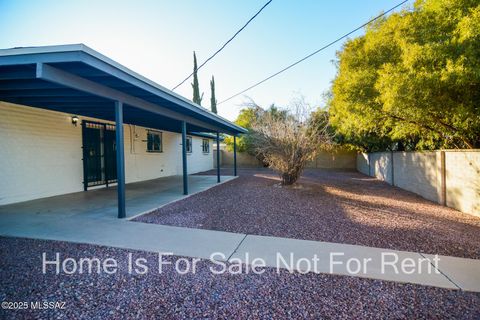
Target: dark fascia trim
[(52, 74), (205, 135), (84, 54)]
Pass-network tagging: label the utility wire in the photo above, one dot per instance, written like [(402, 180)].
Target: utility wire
[(225, 44), (312, 54)]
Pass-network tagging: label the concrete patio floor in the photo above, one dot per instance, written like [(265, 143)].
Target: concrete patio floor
[(101, 203)]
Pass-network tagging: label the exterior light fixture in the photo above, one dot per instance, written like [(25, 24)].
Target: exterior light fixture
[(74, 120)]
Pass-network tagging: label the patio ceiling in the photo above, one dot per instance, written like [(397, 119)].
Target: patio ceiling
[(78, 80)]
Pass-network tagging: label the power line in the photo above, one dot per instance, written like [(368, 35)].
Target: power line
[(225, 44), (312, 54)]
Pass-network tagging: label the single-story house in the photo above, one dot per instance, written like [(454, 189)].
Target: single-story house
[(72, 119)]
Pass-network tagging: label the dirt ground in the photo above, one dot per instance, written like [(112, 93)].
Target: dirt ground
[(334, 206)]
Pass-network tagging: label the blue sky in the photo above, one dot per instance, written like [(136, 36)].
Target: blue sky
[(157, 38)]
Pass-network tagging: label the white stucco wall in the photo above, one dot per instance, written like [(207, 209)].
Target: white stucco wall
[(41, 154)]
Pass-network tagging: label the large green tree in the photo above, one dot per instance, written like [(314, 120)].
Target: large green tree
[(197, 98), (413, 80)]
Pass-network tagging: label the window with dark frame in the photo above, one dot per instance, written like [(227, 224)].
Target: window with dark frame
[(154, 141), (189, 144), (206, 146)]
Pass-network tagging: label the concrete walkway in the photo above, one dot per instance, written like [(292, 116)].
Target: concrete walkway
[(299, 255), (361, 261)]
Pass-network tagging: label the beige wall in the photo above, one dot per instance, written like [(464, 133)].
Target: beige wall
[(41, 154), (243, 160), (340, 159), (462, 180), (381, 167), (450, 177), (418, 172), (363, 163), (337, 159)]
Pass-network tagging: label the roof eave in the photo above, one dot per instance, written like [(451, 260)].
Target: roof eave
[(125, 74)]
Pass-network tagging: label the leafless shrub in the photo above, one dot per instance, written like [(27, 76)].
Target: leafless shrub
[(288, 140)]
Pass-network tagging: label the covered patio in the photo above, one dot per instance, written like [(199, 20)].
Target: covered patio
[(77, 80), (141, 197)]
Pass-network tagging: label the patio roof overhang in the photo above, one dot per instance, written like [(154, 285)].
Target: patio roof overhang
[(78, 80)]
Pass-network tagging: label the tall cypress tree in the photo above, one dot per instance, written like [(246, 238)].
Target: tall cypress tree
[(213, 100), (196, 90)]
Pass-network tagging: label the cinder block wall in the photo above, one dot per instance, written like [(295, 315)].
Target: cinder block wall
[(363, 165), (338, 159), (381, 167), (448, 177), (418, 172), (243, 160), (462, 180)]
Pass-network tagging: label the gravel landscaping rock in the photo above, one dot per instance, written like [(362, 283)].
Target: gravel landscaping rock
[(170, 295), (326, 205)]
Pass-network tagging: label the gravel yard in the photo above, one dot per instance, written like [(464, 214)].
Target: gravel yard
[(334, 206), (205, 295)]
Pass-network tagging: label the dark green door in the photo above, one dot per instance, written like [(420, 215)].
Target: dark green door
[(99, 154)]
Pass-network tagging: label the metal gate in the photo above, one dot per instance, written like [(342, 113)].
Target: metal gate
[(99, 154)]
